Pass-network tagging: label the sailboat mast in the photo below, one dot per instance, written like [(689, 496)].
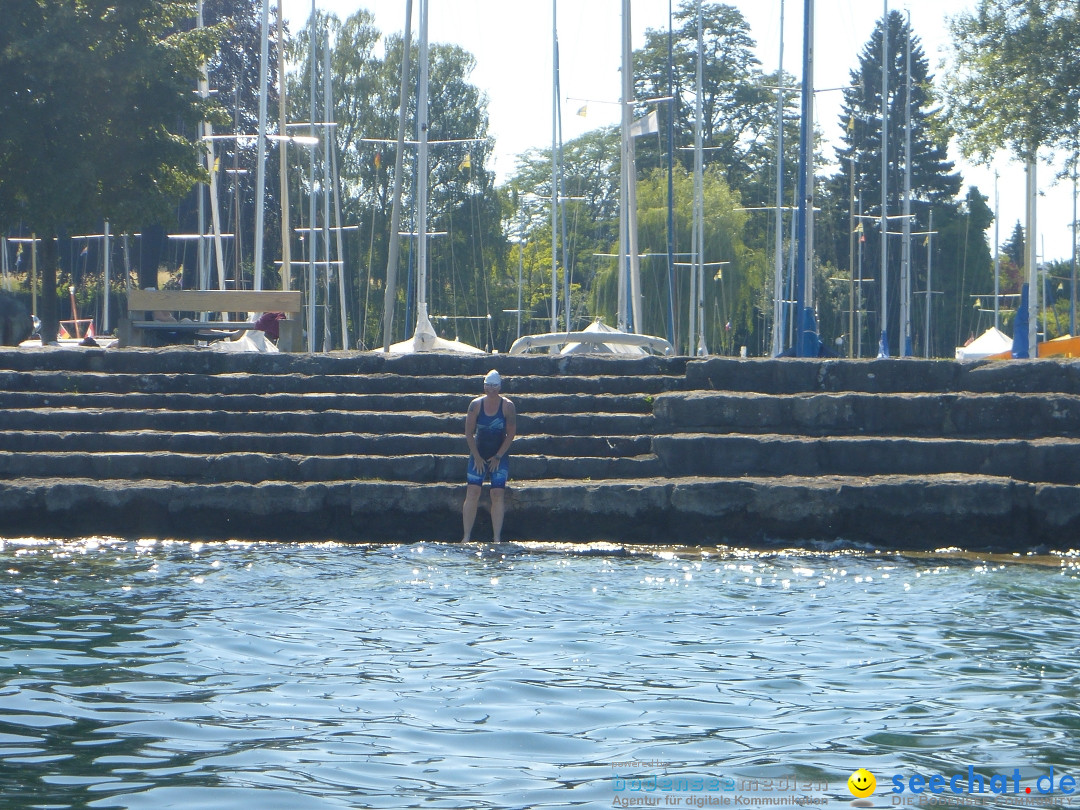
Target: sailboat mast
[(328, 131), (283, 156), (628, 84), (905, 350), (672, 108), (997, 256), (554, 170), (697, 313), (631, 307), (806, 339), (260, 165), (313, 242), (390, 297), (624, 248), (929, 277), (883, 346), (422, 171), (206, 160), (778, 247), (1032, 260)]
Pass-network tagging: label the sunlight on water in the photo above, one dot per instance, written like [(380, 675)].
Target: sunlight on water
[(158, 674)]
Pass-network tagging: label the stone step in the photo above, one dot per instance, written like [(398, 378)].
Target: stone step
[(191, 360), (256, 467), (311, 422), (775, 376), (278, 403), (1048, 460), (440, 457), (75, 382), (897, 512), (884, 376), (330, 444), (962, 414)]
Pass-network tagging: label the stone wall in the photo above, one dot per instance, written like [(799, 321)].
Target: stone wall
[(194, 444)]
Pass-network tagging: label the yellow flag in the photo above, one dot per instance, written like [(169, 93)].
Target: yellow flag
[(978, 303), (466, 163), (851, 123), (583, 110), (217, 164)]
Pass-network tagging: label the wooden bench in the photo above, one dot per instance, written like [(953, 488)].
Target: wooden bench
[(132, 329)]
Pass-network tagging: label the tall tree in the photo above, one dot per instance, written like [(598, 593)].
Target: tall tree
[(933, 182), (93, 98), (590, 176), (1014, 246), (1016, 80), (462, 200), (739, 107), (233, 73), (1016, 86)]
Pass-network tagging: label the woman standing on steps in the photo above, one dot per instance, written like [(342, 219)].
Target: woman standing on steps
[(490, 427)]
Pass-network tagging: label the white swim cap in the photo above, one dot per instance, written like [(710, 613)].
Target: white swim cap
[(493, 378)]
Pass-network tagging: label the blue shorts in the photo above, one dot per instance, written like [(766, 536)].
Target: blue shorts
[(498, 478)]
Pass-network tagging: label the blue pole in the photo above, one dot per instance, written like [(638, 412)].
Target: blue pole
[(806, 337), (670, 189)]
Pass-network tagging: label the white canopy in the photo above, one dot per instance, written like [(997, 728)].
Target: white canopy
[(424, 339), (992, 341)]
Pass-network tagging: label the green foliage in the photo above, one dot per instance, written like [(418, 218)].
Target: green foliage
[(97, 116), (1016, 82), (468, 279), (93, 99), (1014, 247), (739, 106), (730, 289), (1056, 279)]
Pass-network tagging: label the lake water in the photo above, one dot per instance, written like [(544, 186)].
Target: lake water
[(189, 675)]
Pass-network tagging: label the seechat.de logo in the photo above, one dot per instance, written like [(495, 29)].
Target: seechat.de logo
[(861, 783)]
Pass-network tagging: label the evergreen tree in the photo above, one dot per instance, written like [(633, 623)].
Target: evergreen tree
[(1014, 247), (933, 182)]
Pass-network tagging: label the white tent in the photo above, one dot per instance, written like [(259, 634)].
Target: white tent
[(424, 339), (992, 341), (595, 338)]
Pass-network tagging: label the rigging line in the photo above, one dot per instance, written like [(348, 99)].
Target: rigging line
[(450, 238), (367, 282), (478, 235), (964, 269), (574, 237)]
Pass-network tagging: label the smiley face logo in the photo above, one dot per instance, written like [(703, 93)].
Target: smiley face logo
[(861, 783)]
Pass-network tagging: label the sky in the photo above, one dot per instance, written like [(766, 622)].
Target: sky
[(511, 40)]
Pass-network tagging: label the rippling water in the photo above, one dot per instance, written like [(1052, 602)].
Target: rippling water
[(153, 675)]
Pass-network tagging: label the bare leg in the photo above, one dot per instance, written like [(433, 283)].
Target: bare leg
[(498, 509), (468, 511)]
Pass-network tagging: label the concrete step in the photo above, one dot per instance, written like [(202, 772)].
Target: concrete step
[(191, 360), (960, 414), (330, 444), (277, 403), (898, 512), (1048, 460), (254, 383), (256, 467), (311, 422), (885, 376)]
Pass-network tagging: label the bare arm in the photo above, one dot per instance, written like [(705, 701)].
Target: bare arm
[(470, 432), (510, 414)]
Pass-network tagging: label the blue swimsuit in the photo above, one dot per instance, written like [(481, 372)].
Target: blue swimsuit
[(490, 432)]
